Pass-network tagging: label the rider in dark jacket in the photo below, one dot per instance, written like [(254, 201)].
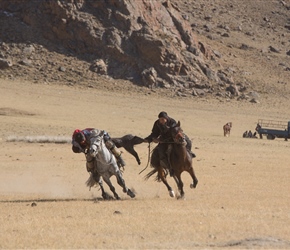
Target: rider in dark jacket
[(160, 134), (161, 127)]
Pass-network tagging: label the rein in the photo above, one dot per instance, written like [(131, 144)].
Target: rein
[(149, 153), (179, 134)]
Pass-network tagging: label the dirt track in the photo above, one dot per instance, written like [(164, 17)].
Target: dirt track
[(242, 199)]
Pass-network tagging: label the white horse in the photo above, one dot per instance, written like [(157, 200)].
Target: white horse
[(105, 166)]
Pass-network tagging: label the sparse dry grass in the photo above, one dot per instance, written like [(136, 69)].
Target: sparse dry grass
[(241, 201)]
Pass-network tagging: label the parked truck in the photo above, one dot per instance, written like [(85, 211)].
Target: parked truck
[(273, 129)]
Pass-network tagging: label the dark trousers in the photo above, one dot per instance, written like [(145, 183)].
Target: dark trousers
[(188, 143)]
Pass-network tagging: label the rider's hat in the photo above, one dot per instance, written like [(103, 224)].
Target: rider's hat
[(163, 114)]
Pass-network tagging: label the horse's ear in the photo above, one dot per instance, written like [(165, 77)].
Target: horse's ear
[(178, 124)]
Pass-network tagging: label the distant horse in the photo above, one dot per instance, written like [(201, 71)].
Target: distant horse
[(227, 129), (179, 159), (128, 142), (105, 166)]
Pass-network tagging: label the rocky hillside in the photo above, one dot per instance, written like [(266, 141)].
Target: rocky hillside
[(221, 49), (251, 37)]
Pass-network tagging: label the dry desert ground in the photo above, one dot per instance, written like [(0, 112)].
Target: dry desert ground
[(242, 199)]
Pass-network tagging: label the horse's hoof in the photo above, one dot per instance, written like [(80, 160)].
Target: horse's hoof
[(117, 197), (171, 193), (107, 196), (130, 193), (181, 197), (193, 185)]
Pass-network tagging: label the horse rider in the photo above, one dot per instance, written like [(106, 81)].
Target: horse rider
[(160, 134), (83, 140)]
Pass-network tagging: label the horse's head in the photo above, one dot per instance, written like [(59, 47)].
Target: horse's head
[(177, 134), (95, 146)]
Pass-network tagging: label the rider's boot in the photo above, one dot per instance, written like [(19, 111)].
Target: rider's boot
[(112, 147), (121, 163)]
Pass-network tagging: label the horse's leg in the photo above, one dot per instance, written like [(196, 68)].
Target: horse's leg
[(135, 141), (130, 149), (105, 195), (128, 142), (135, 154), (112, 188), (98, 179), (193, 176), (162, 176), (121, 182), (179, 183)]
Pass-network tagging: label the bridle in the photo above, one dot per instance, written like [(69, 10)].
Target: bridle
[(179, 138)]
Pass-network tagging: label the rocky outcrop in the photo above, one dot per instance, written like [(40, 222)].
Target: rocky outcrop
[(148, 42)]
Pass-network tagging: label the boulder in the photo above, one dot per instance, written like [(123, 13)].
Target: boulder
[(5, 63)]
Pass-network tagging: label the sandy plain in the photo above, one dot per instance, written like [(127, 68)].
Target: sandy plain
[(241, 202)]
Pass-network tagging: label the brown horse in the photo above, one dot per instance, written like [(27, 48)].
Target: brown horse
[(179, 159), (227, 129)]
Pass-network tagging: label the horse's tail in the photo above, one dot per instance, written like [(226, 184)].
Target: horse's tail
[(152, 172), (91, 182)]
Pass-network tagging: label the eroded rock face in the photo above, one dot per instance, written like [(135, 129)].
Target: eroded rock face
[(122, 38)]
